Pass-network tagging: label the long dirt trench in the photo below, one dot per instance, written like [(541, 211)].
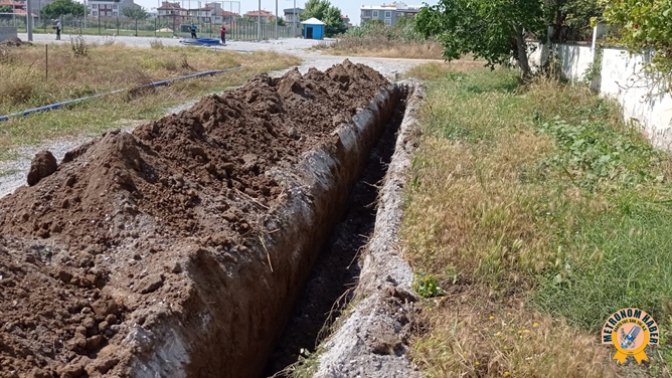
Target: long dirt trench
[(180, 250)]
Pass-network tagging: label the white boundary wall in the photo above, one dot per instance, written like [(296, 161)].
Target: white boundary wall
[(621, 79)]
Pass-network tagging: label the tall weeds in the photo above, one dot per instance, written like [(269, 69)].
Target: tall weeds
[(376, 39), (530, 205)]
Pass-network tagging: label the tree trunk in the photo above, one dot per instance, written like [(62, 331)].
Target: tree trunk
[(523, 62)]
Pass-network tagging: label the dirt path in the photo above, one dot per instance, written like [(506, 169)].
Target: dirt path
[(13, 172)]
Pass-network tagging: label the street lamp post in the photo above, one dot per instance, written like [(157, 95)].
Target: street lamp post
[(295, 16), (29, 20)]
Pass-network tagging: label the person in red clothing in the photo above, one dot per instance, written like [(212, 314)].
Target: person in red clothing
[(222, 31)]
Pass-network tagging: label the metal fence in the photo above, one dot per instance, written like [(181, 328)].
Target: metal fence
[(239, 29)]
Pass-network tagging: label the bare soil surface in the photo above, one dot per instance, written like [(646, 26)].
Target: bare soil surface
[(96, 247)]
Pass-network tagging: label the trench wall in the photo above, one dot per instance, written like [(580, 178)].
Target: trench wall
[(618, 76), (373, 338), (228, 331)]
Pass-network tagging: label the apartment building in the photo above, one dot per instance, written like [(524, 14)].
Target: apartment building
[(389, 14), (108, 8)]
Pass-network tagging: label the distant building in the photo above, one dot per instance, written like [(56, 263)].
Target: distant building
[(389, 14), (108, 8), (172, 12), (292, 15), (19, 6), (225, 17), (265, 16), (346, 21)]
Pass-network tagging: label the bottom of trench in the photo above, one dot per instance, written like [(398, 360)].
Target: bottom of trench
[(329, 287)]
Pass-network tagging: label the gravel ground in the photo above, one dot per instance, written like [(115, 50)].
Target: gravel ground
[(13, 173), (287, 45)]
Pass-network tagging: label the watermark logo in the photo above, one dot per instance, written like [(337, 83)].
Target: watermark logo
[(630, 330)]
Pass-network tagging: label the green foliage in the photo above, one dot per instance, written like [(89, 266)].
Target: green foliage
[(595, 68), (61, 8), (6, 9), (645, 25), (325, 12), (426, 286), (138, 13), (281, 22), (494, 30), (571, 19), (593, 154), (402, 30)]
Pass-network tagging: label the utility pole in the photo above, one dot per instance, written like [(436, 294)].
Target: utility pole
[(294, 23), (276, 19), (29, 19), (259, 22)]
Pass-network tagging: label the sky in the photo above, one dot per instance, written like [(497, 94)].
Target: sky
[(348, 7)]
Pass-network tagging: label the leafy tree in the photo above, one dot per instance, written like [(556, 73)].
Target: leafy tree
[(494, 30), (315, 8), (325, 12), (334, 20), (374, 22), (570, 19), (645, 25), (281, 22), (136, 13), (6, 9), (61, 8)]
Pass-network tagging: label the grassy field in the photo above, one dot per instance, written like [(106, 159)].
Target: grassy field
[(533, 214), (105, 68)]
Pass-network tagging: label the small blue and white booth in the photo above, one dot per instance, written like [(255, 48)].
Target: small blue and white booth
[(313, 29)]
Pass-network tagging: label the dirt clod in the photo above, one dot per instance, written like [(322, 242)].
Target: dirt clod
[(42, 165)]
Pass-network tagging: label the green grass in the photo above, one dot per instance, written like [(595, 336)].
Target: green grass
[(8, 172), (537, 195)]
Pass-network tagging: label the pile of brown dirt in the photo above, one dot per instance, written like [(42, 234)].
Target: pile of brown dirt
[(94, 249), (14, 42)]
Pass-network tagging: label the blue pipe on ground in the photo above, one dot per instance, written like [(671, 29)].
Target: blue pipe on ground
[(151, 85), (200, 41)]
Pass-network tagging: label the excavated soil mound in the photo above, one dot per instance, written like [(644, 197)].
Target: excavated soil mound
[(14, 42), (94, 249)]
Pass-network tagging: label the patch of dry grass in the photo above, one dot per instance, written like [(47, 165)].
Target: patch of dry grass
[(472, 336), (27, 79), (518, 226), (383, 48), (436, 70), (141, 65)]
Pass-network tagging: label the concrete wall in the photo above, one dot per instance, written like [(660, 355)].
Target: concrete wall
[(575, 60), (7, 32), (621, 79)]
